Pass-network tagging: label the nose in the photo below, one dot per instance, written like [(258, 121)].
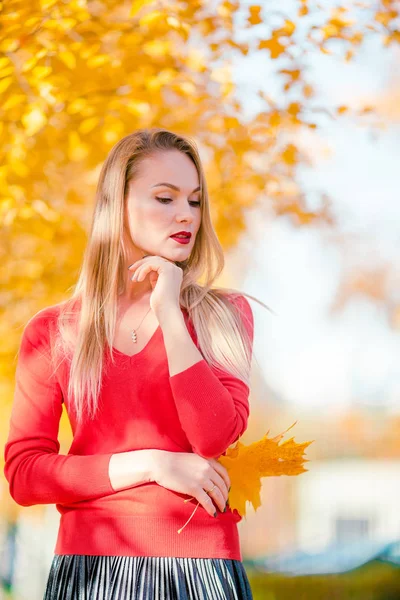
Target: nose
[(185, 215), (186, 219), (185, 212)]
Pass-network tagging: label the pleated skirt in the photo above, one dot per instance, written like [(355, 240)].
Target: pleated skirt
[(83, 577)]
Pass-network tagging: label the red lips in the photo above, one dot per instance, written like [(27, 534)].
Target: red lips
[(182, 233)]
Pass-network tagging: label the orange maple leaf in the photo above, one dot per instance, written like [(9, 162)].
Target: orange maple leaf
[(246, 466)]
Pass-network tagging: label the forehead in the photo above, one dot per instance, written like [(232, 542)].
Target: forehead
[(170, 166)]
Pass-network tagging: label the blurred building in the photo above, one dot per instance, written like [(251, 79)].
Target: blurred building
[(346, 501)]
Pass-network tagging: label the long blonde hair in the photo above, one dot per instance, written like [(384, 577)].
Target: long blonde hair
[(87, 320)]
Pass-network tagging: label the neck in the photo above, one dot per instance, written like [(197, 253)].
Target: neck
[(137, 295)]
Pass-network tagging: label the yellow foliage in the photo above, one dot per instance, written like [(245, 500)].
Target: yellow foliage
[(254, 17), (273, 45), (77, 76), (137, 5), (289, 154)]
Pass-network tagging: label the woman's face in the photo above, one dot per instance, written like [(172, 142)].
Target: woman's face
[(163, 200)]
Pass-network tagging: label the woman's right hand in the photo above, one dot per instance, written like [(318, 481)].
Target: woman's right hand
[(192, 474)]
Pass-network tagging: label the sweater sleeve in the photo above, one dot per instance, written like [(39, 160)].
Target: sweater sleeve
[(213, 405), (35, 471)]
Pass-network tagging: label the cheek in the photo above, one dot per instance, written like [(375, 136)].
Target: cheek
[(146, 217), (156, 212)]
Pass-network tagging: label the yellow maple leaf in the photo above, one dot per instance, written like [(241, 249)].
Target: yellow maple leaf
[(246, 466)]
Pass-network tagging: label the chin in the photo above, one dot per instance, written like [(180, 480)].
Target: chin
[(177, 256)]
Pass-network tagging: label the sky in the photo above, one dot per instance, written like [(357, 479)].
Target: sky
[(313, 359)]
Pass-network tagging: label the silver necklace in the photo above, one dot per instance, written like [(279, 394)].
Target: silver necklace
[(133, 331)]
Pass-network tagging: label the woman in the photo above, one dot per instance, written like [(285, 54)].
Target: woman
[(153, 369)]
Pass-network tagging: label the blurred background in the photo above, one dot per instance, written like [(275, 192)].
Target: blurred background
[(295, 107)]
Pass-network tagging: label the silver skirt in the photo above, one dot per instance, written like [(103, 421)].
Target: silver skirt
[(83, 577)]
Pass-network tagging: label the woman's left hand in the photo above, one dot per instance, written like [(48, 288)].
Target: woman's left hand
[(165, 278)]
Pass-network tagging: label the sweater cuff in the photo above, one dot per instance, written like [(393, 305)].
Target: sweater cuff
[(99, 477)]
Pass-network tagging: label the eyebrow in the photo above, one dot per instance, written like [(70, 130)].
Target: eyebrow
[(174, 187)]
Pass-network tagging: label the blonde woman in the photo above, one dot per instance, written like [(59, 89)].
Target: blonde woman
[(153, 369)]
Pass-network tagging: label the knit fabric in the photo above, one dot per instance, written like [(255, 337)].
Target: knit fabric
[(201, 409)]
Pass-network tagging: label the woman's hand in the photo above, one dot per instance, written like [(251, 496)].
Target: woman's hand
[(192, 474), (165, 278)]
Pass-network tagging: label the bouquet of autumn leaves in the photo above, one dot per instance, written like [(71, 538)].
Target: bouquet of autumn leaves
[(246, 466)]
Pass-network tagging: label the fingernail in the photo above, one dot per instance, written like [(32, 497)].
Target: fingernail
[(215, 514)]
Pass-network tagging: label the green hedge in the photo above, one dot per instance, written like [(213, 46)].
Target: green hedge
[(375, 581)]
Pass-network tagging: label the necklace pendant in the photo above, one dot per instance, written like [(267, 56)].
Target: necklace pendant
[(133, 331)]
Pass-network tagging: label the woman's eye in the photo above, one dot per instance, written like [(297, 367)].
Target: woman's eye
[(165, 200)]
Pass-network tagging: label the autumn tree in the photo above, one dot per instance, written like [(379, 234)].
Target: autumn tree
[(77, 75)]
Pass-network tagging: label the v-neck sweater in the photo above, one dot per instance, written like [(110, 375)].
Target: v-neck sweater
[(200, 409)]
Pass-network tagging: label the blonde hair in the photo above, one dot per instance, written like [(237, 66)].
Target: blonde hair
[(86, 321)]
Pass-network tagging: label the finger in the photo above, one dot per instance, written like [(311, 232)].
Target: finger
[(141, 272), (221, 470), (145, 270), (139, 262), (136, 274), (220, 493), (206, 501)]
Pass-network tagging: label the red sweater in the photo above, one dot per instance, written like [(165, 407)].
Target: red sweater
[(199, 410)]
